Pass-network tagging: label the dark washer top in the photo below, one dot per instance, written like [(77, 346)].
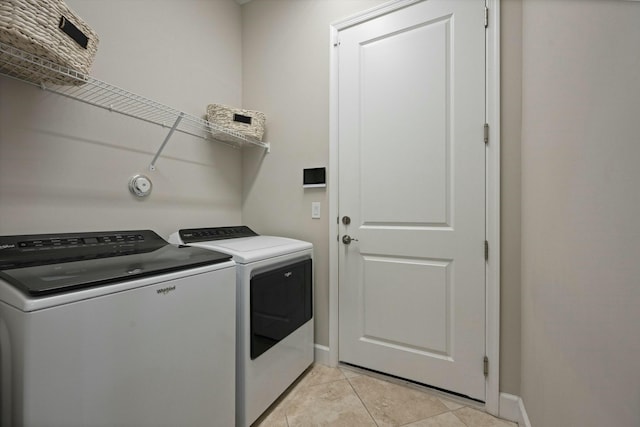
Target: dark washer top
[(54, 263)]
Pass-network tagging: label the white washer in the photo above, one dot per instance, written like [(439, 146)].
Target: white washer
[(274, 285), (115, 329)]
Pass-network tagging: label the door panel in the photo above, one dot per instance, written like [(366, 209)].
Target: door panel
[(403, 123), (412, 179), (396, 311)]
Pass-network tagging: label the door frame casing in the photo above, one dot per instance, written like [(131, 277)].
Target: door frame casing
[(492, 171)]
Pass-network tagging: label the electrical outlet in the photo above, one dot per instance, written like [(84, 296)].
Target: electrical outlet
[(315, 210)]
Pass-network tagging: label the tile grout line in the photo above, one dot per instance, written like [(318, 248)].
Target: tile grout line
[(409, 385), (411, 422), (460, 419), (308, 386), (437, 394), (361, 401)]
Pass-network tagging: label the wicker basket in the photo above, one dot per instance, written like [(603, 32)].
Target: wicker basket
[(50, 30), (246, 122)]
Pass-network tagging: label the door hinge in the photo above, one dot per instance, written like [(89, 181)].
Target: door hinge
[(486, 133), (486, 250), (486, 366), (486, 17)]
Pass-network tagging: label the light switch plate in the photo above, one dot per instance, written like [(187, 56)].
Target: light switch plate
[(315, 210)]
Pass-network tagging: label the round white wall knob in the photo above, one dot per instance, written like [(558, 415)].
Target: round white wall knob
[(140, 185)]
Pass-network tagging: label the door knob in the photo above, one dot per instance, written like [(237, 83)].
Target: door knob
[(346, 239)]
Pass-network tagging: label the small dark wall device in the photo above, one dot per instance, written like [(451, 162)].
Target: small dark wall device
[(313, 178)]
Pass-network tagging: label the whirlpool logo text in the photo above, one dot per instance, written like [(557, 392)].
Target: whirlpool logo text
[(164, 291)]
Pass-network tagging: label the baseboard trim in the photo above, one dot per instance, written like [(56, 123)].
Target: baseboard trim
[(512, 409), (321, 354)]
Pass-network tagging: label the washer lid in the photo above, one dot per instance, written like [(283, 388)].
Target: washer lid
[(251, 249), (244, 244), (56, 263)]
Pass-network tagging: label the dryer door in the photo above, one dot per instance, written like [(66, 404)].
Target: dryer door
[(281, 302)]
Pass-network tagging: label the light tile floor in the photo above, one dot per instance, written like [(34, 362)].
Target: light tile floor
[(348, 397)]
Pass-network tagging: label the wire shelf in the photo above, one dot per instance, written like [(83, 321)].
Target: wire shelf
[(28, 68)]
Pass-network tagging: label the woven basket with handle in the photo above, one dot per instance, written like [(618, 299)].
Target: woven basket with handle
[(246, 122), (50, 30)]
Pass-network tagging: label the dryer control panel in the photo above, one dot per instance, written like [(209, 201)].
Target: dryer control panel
[(193, 235)]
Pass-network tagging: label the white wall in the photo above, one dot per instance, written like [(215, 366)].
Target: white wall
[(580, 210), (510, 187), (286, 75), (65, 166)]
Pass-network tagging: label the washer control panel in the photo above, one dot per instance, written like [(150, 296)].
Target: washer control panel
[(38, 249), (73, 242)]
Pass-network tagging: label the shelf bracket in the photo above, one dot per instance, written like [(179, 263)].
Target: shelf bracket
[(152, 166)]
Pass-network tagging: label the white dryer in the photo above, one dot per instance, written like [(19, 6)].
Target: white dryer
[(274, 323)]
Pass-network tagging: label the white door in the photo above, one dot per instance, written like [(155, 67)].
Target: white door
[(412, 181)]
